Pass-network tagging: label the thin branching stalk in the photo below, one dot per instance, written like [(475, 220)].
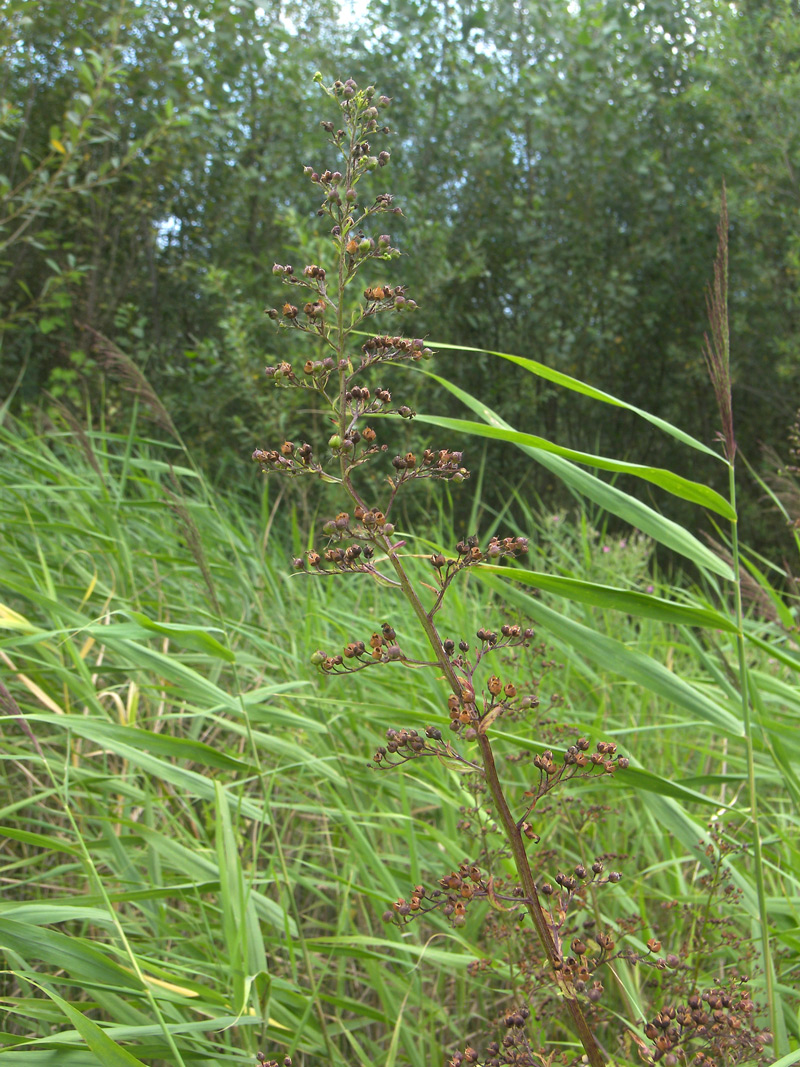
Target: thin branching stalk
[(717, 356)]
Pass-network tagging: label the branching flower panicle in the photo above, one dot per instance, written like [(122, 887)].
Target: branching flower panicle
[(564, 946)]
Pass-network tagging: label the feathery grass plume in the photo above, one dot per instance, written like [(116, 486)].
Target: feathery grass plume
[(80, 435), (717, 350), (117, 363), (194, 541)]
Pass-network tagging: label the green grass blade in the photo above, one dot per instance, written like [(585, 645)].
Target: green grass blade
[(673, 483), (608, 497), (613, 655), (642, 605), (107, 1051), (577, 386), (184, 636)]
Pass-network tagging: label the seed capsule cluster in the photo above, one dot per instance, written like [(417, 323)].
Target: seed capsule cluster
[(457, 890), (514, 1050), (720, 1021)]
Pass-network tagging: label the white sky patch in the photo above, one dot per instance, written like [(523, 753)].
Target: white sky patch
[(352, 11)]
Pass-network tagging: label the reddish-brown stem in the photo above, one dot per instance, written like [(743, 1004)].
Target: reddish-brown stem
[(511, 830)]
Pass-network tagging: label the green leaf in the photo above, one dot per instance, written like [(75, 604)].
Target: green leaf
[(184, 636), (611, 499), (48, 323), (577, 386), (606, 596), (108, 1052), (130, 743), (676, 484), (76, 956), (614, 656)]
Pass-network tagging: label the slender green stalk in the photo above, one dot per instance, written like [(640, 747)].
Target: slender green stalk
[(747, 722), (718, 360)]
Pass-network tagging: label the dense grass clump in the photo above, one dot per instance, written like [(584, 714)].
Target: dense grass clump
[(197, 854)]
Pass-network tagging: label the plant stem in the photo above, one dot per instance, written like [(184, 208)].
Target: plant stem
[(766, 954), (511, 830)]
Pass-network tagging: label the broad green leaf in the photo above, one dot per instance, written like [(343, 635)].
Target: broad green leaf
[(783, 655), (76, 956), (47, 913), (46, 841), (606, 596), (614, 656), (191, 782), (577, 386), (108, 1052), (608, 497), (673, 483), (788, 1060), (190, 683)]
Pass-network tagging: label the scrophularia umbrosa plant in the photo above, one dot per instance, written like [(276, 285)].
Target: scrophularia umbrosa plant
[(350, 383)]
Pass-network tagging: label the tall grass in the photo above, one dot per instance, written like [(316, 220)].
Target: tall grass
[(196, 853)]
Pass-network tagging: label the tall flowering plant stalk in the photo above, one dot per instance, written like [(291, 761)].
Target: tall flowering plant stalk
[(337, 307)]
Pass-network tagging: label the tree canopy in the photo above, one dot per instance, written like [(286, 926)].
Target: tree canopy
[(559, 168)]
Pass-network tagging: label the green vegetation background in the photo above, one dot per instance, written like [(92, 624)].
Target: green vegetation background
[(195, 851), (559, 167)]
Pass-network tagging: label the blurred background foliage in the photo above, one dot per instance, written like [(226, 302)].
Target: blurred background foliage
[(559, 168)]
